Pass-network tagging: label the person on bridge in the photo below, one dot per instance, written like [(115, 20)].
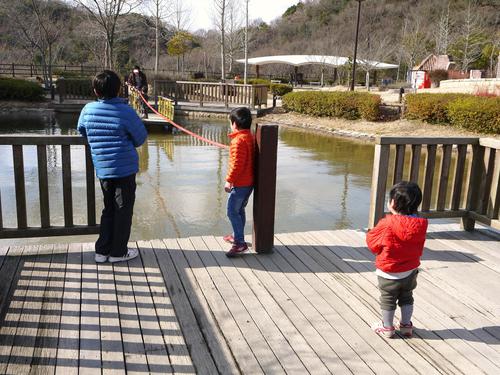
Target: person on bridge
[(137, 79), (113, 131), (240, 177), (398, 242)]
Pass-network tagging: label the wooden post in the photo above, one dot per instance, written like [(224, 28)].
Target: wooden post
[(13, 70), (476, 175), (201, 94), (226, 96), (61, 89), (379, 183), (266, 150)]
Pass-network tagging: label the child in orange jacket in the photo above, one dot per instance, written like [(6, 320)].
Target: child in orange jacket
[(240, 177)]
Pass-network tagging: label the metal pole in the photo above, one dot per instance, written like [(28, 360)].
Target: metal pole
[(246, 45), (353, 79)]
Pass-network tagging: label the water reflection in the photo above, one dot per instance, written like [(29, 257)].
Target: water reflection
[(323, 182)]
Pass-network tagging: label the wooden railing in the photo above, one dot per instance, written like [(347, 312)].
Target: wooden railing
[(79, 89), (208, 92), (460, 177), (46, 221), (32, 70), (135, 101)]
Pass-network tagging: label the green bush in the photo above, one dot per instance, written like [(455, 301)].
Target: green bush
[(71, 73), (430, 107), (348, 105), (18, 89), (476, 113), (279, 89)]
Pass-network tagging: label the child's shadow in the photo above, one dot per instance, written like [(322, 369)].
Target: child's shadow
[(489, 335)]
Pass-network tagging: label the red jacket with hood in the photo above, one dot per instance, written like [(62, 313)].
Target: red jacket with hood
[(398, 242)]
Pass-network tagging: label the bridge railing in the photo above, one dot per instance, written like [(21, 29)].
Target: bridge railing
[(459, 177), (212, 92), (78, 89), (24, 213)]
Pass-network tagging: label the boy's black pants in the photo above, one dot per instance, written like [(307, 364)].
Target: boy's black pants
[(116, 218)]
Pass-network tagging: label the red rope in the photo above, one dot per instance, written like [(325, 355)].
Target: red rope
[(181, 128)]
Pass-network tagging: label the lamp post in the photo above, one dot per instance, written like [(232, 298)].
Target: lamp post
[(246, 44), (353, 79)]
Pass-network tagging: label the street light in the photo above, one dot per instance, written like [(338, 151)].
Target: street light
[(355, 47)]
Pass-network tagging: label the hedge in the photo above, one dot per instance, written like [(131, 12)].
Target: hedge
[(18, 89), (476, 113), (348, 105), (481, 114), (279, 89)]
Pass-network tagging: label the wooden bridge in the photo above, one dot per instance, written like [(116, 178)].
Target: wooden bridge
[(306, 307)]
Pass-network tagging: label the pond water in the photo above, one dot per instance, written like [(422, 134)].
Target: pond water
[(323, 182)]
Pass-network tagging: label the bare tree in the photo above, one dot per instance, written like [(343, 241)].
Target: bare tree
[(220, 15), (160, 10), (38, 26), (235, 33), (414, 42), (106, 14), (443, 31), (467, 48), (246, 43)]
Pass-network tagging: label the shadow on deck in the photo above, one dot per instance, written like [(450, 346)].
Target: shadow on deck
[(184, 307)]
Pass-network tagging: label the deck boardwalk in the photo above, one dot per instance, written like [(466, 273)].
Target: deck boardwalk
[(183, 307)]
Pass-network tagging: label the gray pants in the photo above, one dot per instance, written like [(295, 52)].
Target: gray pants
[(399, 292)]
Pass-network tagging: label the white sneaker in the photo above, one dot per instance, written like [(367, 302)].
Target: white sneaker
[(131, 254), (99, 258)]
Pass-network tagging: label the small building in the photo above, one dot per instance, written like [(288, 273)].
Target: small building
[(420, 77)]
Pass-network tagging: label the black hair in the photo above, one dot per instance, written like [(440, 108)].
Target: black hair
[(242, 117), (137, 67), (106, 84), (407, 197)]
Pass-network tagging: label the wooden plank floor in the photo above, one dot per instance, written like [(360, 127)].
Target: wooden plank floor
[(183, 307)]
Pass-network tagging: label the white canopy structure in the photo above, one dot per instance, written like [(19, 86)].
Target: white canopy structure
[(323, 60), (300, 60)]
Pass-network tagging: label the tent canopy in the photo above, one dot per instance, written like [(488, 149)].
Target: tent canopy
[(300, 60)]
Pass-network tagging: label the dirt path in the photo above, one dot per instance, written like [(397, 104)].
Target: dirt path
[(367, 129)]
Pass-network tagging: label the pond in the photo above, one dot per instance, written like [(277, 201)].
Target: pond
[(323, 182)]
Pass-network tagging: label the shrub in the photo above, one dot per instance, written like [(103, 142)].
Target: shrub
[(18, 89), (429, 107), (71, 73), (348, 105), (481, 114), (279, 89)]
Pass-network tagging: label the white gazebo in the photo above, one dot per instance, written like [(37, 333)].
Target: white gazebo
[(300, 60)]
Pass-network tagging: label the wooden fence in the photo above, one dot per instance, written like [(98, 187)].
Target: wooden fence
[(23, 212), (76, 89), (33, 70), (460, 177), (212, 92)]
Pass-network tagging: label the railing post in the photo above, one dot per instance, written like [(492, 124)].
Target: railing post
[(13, 70), (266, 149), (226, 96), (61, 89), (476, 175), (201, 94), (379, 183)]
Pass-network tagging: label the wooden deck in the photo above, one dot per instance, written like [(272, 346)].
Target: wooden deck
[(183, 307)]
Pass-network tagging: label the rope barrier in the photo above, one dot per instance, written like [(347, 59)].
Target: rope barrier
[(180, 127)]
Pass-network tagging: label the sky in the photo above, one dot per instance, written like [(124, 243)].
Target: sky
[(267, 10)]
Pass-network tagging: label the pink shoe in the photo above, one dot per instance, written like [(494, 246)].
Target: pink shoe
[(387, 332), (406, 329), (229, 238), (237, 249)]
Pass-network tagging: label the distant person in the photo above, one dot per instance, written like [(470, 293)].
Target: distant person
[(240, 177), (398, 242), (137, 79), (113, 131)]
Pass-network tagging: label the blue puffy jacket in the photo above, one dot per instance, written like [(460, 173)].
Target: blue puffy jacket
[(113, 130)]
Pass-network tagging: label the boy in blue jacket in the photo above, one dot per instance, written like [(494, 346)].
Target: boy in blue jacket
[(113, 131)]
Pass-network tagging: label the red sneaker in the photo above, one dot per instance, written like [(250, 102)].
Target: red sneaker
[(229, 238), (406, 329), (237, 249)]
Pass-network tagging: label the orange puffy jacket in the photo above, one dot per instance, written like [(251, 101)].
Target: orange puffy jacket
[(398, 242), (241, 158)]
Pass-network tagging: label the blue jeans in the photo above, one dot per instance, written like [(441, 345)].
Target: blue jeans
[(236, 203)]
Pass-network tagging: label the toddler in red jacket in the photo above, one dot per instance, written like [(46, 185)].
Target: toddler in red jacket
[(398, 242)]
